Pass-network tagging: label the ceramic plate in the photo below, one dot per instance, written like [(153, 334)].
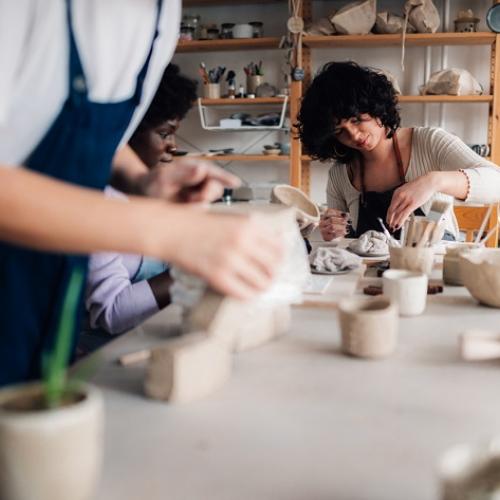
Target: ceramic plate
[(493, 18), (363, 254), (331, 273)]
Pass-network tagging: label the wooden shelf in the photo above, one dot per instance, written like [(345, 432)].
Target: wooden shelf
[(208, 3), (445, 98), (224, 101), (416, 39), (184, 46), (249, 157)]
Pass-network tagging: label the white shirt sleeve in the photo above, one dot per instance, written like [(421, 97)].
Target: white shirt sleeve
[(12, 45), (451, 153)]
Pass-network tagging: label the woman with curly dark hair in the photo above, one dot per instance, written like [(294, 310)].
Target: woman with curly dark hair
[(349, 115)]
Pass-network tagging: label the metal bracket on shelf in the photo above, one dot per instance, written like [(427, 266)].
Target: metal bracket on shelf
[(203, 120)]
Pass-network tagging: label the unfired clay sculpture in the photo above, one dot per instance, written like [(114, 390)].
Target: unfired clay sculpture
[(187, 368), (356, 18), (371, 242), (307, 212), (480, 272)]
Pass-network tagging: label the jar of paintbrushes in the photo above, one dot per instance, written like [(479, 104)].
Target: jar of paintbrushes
[(255, 76), (211, 80)]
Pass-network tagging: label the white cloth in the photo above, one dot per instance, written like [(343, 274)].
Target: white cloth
[(433, 149), (328, 259), (113, 39), (371, 242)]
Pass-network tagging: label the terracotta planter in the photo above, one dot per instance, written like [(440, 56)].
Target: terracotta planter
[(49, 454), (480, 272)]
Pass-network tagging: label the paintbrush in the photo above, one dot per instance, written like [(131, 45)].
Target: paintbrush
[(438, 211)]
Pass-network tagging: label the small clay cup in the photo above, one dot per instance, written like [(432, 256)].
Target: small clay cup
[(418, 259), (369, 327), (451, 266), (408, 289)]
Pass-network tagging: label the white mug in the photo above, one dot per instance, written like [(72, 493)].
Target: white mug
[(408, 289)]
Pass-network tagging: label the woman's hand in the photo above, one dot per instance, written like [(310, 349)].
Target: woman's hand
[(237, 255), (409, 197), (333, 224)]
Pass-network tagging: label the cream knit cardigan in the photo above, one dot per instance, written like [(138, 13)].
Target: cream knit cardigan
[(433, 149)]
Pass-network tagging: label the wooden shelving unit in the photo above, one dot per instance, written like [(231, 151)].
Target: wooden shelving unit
[(412, 40), (250, 158), (184, 46), (242, 102), (446, 98)]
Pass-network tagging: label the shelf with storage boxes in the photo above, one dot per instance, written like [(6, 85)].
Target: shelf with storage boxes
[(419, 62), (201, 129)]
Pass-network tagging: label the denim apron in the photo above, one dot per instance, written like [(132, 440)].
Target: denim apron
[(78, 148), (373, 204)]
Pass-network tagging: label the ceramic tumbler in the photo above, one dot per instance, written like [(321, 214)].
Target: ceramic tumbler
[(369, 327), (408, 289), (418, 259), (253, 81), (211, 90)]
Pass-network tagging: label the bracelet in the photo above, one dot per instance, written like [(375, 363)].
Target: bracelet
[(468, 184)]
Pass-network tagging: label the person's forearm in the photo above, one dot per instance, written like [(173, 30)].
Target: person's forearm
[(46, 214), (452, 183), (127, 171)]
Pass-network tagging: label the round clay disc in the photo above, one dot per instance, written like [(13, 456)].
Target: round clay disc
[(295, 24)]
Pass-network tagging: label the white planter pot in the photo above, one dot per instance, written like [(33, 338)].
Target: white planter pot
[(50, 454)]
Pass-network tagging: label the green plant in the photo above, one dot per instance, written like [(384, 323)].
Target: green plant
[(55, 363)]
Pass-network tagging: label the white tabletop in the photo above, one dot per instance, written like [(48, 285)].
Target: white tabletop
[(298, 420)]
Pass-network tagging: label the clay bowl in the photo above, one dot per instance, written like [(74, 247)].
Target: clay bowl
[(480, 272), (451, 266), (293, 197)]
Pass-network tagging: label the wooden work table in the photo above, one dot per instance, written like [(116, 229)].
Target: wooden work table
[(298, 420)]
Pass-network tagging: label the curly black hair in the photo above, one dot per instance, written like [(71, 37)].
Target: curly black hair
[(343, 90), (173, 99)]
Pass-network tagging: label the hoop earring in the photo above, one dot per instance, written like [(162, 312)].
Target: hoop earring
[(337, 154)]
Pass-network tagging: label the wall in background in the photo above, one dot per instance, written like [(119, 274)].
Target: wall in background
[(468, 121)]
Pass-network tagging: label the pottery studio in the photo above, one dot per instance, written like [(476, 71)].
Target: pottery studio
[(249, 250)]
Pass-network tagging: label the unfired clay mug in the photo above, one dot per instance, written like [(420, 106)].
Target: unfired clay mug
[(369, 327), (418, 259), (451, 265), (408, 289)]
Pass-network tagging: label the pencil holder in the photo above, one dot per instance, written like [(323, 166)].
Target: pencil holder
[(253, 81), (211, 90), (418, 259)]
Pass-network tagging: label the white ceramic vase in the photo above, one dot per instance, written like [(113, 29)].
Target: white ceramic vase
[(49, 454)]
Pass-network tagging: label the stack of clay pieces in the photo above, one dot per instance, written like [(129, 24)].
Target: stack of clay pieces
[(198, 363)]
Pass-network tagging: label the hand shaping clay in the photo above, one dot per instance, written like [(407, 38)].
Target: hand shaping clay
[(187, 368)]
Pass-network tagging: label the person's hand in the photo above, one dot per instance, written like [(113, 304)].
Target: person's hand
[(408, 198), (237, 255), (187, 180), (333, 224)]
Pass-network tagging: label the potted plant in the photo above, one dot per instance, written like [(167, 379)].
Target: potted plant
[(51, 431)]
